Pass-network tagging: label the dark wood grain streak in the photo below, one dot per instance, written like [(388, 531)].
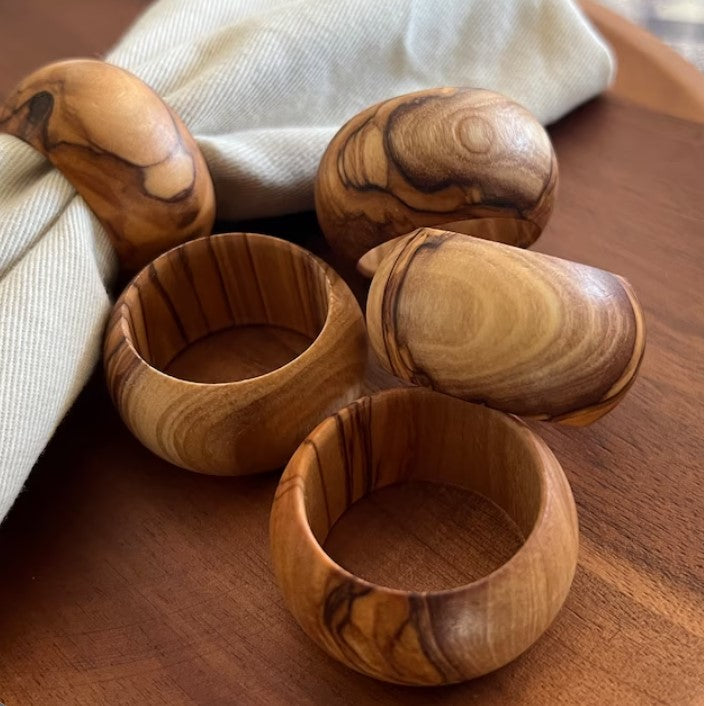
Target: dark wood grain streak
[(389, 170), (122, 581), (122, 148), (184, 377), (436, 637), (548, 339)]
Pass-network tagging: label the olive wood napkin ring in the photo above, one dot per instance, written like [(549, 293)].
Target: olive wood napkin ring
[(210, 285), (436, 637), (462, 159), (122, 148), (519, 331)]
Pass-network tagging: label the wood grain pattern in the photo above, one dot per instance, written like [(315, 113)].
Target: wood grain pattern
[(516, 330), (123, 149), (122, 582), (190, 298), (437, 637), (441, 157)]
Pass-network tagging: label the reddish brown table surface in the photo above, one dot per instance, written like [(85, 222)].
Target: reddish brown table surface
[(126, 580)]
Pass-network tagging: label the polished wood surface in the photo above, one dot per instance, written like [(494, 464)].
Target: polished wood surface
[(123, 580), (516, 330), (178, 310), (437, 637), (440, 157), (122, 148)]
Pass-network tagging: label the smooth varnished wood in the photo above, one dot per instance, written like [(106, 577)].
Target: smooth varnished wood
[(123, 149), (222, 354), (123, 583), (123, 580), (440, 157), (436, 637), (517, 330), (464, 536)]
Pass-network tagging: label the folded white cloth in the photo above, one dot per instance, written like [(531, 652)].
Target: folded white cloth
[(263, 85)]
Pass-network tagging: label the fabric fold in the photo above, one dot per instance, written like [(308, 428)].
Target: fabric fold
[(263, 85)]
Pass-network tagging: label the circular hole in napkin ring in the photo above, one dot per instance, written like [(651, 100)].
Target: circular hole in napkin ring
[(223, 353), (433, 637)]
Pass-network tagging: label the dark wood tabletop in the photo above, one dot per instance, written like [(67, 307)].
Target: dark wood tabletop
[(127, 580)]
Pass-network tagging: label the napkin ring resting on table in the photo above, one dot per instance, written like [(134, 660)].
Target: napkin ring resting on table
[(486, 168)]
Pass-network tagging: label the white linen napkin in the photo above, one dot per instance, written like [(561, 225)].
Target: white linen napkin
[(263, 85)]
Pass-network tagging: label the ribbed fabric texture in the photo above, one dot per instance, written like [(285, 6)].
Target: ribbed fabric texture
[(263, 85)]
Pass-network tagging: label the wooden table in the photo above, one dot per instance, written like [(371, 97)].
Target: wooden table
[(126, 580)]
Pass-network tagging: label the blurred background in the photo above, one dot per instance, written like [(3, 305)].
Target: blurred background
[(678, 23)]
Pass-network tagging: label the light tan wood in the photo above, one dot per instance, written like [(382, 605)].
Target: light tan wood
[(485, 228), (517, 330), (123, 149), (436, 637), (268, 341), (439, 157), (122, 582)]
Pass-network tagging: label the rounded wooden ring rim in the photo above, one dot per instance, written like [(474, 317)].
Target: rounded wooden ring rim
[(123, 149), (212, 427), (411, 637)]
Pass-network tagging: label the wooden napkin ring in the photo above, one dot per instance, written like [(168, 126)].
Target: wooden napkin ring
[(516, 330), (212, 285), (436, 637), (463, 159), (122, 148)]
